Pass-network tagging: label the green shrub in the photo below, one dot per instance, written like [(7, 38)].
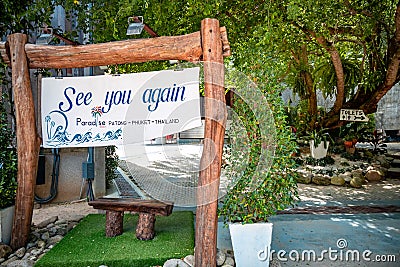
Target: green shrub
[(258, 192), (112, 161), (8, 161)]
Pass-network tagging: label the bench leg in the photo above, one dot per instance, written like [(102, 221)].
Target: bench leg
[(145, 226), (114, 223)]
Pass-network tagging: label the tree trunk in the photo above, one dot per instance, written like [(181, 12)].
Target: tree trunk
[(367, 100), (114, 223), (145, 226), (210, 164), (28, 142), (310, 89), (312, 99), (340, 95)]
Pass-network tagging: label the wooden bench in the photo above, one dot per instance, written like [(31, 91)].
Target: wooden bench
[(147, 210)]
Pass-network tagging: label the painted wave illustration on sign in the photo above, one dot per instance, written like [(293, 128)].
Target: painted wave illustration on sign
[(57, 134)]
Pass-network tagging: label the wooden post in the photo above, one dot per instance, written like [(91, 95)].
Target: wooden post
[(215, 113), (145, 226), (114, 223), (28, 143)]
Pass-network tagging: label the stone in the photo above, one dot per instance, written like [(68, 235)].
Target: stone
[(321, 180), (346, 176), (62, 221), (383, 171), (20, 252), (44, 223), (304, 178), (220, 257), (189, 260), (229, 261), (274, 263), (26, 256), (71, 225), (356, 182), (5, 250), (21, 263), (175, 263), (229, 252), (36, 251), (33, 258), (76, 218), (383, 161), (357, 173), (36, 234), (45, 236), (55, 239), (337, 180), (373, 176), (61, 231), (30, 245), (41, 244), (9, 260), (376, 165)]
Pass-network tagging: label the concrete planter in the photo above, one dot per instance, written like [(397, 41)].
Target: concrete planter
[(320, 151), (251, 244), (6, 221)]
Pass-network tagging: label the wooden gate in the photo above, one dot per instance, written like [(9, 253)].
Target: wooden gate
[(209, 45)]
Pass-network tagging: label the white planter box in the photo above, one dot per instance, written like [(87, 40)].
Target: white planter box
[(320, 151), (6, 221), (251, 244)]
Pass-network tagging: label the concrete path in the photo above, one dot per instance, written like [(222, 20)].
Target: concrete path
[(332, 240)]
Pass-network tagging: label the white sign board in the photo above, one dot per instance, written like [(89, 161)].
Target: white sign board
[(122, 109), (352, 115)]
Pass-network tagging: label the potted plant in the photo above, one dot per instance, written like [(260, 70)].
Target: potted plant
[(262, 183), (319, 143), (350, 142), (8, 174)]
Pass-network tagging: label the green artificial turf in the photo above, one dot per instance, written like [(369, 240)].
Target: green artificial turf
[(87, 245)]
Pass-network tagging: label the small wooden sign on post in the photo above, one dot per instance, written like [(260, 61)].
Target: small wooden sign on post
[(352, 115)]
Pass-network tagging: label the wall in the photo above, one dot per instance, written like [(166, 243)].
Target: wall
[(388, 113), (71, 186)]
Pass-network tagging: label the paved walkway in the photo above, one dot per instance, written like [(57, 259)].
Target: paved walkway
[(343, 238)]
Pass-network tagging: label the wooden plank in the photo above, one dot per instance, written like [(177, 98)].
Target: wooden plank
[(28, 142), (184, 47), (210, 164), (135, 205)]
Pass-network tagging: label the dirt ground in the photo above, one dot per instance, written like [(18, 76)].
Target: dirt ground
[(382, 191)]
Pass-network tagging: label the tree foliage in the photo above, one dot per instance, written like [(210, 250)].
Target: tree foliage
[(346, 48)]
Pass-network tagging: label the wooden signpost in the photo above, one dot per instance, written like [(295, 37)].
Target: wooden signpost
[(210, 45), (352, 115)]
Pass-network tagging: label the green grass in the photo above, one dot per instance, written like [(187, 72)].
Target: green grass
[(86, 245)]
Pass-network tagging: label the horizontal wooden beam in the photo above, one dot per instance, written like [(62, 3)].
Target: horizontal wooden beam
[(184, 47)]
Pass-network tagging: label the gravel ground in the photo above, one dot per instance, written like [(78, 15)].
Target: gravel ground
[(380, 191)]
